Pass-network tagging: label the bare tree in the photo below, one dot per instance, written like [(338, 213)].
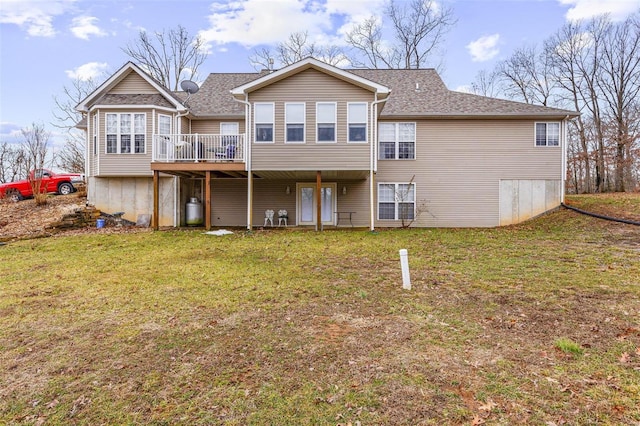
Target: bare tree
[(35, 146), (487, 84), (564, 49), (366, 39), (71, 157), (167, 54), (619, 82), (12, 162), (297, 47), (526, 75), (419, 27)]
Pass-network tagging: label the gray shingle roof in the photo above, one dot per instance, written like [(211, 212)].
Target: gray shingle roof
[(421, 92), (414, 93), (214, 98), (134, 99)]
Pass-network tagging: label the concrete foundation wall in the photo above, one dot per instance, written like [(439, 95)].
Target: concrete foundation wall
[(133, 196), (523, 199)]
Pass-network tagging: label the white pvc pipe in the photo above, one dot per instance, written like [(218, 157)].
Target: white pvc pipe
[(404, 264)]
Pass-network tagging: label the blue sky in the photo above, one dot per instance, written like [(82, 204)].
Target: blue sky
[(44, 44)]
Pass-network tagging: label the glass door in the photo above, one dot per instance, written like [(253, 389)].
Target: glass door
[(307, 203)]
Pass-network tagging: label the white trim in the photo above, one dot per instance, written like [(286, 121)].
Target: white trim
[(234, 123), (124, 106), (313, 185), (117, 77), (119, 134), (272, 122), (396, 201), (303, 122), (366, 121), (335, 122), (546, 141), (170, 123), (397, 141)]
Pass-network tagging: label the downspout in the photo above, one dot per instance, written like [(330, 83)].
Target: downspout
[(87, 152), (247, 153), (373, 163), (176, 187)]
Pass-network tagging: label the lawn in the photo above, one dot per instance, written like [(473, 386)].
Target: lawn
[(531, 324)]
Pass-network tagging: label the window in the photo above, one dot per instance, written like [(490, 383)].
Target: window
[(95, 134), (164, 124), (326, 121), (121, 132), (357, 117), (264, 122), (547, 134), (229, 132), (396, 201), (294, 115), (397, 141)]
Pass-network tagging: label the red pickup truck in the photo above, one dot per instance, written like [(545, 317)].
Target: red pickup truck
[(61, 183)]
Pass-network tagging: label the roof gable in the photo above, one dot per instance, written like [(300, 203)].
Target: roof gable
[(122, 79), (305, 64)]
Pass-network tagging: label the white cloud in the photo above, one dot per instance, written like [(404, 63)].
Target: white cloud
[(88, 71), (255, 22), (465, 88), (484, 48), (36, 17), (585, 9), (84, 26)]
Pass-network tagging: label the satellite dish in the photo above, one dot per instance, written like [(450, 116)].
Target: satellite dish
[(189, 86)]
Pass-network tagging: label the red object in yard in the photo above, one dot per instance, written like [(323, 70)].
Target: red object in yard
[(50, 182)]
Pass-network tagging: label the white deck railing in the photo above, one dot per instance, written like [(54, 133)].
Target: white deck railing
[(198, 147)]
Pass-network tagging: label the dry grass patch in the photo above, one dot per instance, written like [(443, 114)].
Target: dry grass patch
[(300, 327)]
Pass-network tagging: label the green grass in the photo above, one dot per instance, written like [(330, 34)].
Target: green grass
[(299, 327), (568, 346)]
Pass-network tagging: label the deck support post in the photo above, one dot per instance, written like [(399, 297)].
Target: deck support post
[(156, 201), (207, 200), (318, 200)]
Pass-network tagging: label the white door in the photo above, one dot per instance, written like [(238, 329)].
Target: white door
[(307, 203)]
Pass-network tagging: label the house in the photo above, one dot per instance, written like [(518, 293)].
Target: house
[(332, 147)]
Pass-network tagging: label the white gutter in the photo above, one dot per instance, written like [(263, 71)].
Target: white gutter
[(373, 161), (247, 154)]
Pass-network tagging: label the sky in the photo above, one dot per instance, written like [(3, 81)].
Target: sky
[(46, 44)]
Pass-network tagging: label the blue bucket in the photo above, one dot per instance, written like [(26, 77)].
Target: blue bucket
[(100, 223)]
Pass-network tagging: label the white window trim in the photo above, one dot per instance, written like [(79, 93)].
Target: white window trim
[(366, 121), (170, 122), (396, 201), (272, 122), (95, 134), (227, 123), (397, 141), (546, 144), (286, 123), (119, 134), (335, 122)]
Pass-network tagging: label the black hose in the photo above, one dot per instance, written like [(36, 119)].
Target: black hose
[(599, 216)]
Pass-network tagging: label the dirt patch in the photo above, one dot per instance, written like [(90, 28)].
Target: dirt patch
[(25, 219)]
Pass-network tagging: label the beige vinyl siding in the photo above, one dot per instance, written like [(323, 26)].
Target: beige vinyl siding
[(229, 201), (311, 86), (125, 164), (213, 126), (133, 84), (459, 165), (185, 126)]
